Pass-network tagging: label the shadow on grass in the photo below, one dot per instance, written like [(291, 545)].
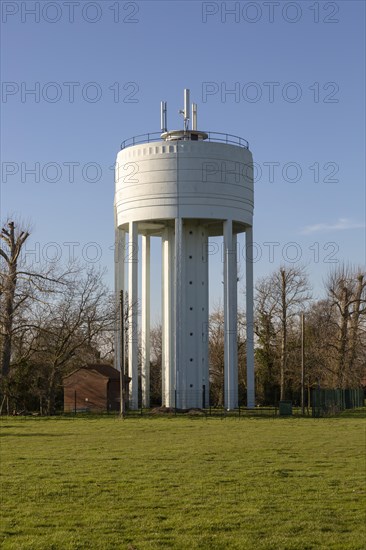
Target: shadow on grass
[(34, 435), (265, 413), (353, 413)]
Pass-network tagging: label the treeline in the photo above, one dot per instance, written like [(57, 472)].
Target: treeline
[(335, 331), (53, 320), (334, 335)]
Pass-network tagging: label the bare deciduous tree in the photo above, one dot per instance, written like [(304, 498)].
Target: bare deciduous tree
[(280, 297), (51, 318), (71, 328), (216, 346), (21, 285), (346, 288), (12, 242), (156, 347), (216, 355)]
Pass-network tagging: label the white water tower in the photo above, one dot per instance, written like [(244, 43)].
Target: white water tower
[(184, 186)]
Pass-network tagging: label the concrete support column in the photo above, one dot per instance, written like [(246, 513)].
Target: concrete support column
[(249, 317), (205, 325), (235, 308), (132, 311), (193, 318), (202, 291), (230, 318), (145, 333), (168, 318), (179, 321)]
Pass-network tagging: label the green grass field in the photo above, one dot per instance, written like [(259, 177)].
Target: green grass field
[(183, 483)]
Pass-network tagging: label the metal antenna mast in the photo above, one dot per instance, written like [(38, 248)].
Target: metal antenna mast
[(163, 116), (186, 110)]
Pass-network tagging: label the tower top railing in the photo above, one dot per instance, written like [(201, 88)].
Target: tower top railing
[(211, 136)]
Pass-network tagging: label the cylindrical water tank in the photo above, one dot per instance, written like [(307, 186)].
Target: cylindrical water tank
[(190, 179)]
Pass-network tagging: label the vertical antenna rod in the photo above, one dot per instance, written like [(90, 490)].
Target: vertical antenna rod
[(186, 112), (163, 116), (194, 116)]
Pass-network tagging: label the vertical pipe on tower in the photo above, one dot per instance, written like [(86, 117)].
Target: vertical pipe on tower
[(145, 333), (163, 320), (132, 311), (249, 317), (119, 282)]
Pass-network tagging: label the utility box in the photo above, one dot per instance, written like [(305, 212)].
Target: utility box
[(285, 408)]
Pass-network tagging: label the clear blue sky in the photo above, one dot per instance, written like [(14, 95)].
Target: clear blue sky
[(149, 51)]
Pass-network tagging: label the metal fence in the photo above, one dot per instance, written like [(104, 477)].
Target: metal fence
[(323, 403), (211, 136), (327, 402)]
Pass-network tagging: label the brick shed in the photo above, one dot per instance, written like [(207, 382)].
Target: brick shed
[(92, 388)]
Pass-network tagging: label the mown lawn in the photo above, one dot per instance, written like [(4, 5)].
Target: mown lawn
[(183, 483)]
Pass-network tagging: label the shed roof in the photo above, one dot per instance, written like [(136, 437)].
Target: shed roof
[(105, 370)]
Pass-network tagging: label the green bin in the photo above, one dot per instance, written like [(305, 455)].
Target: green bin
[(285, 408)]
